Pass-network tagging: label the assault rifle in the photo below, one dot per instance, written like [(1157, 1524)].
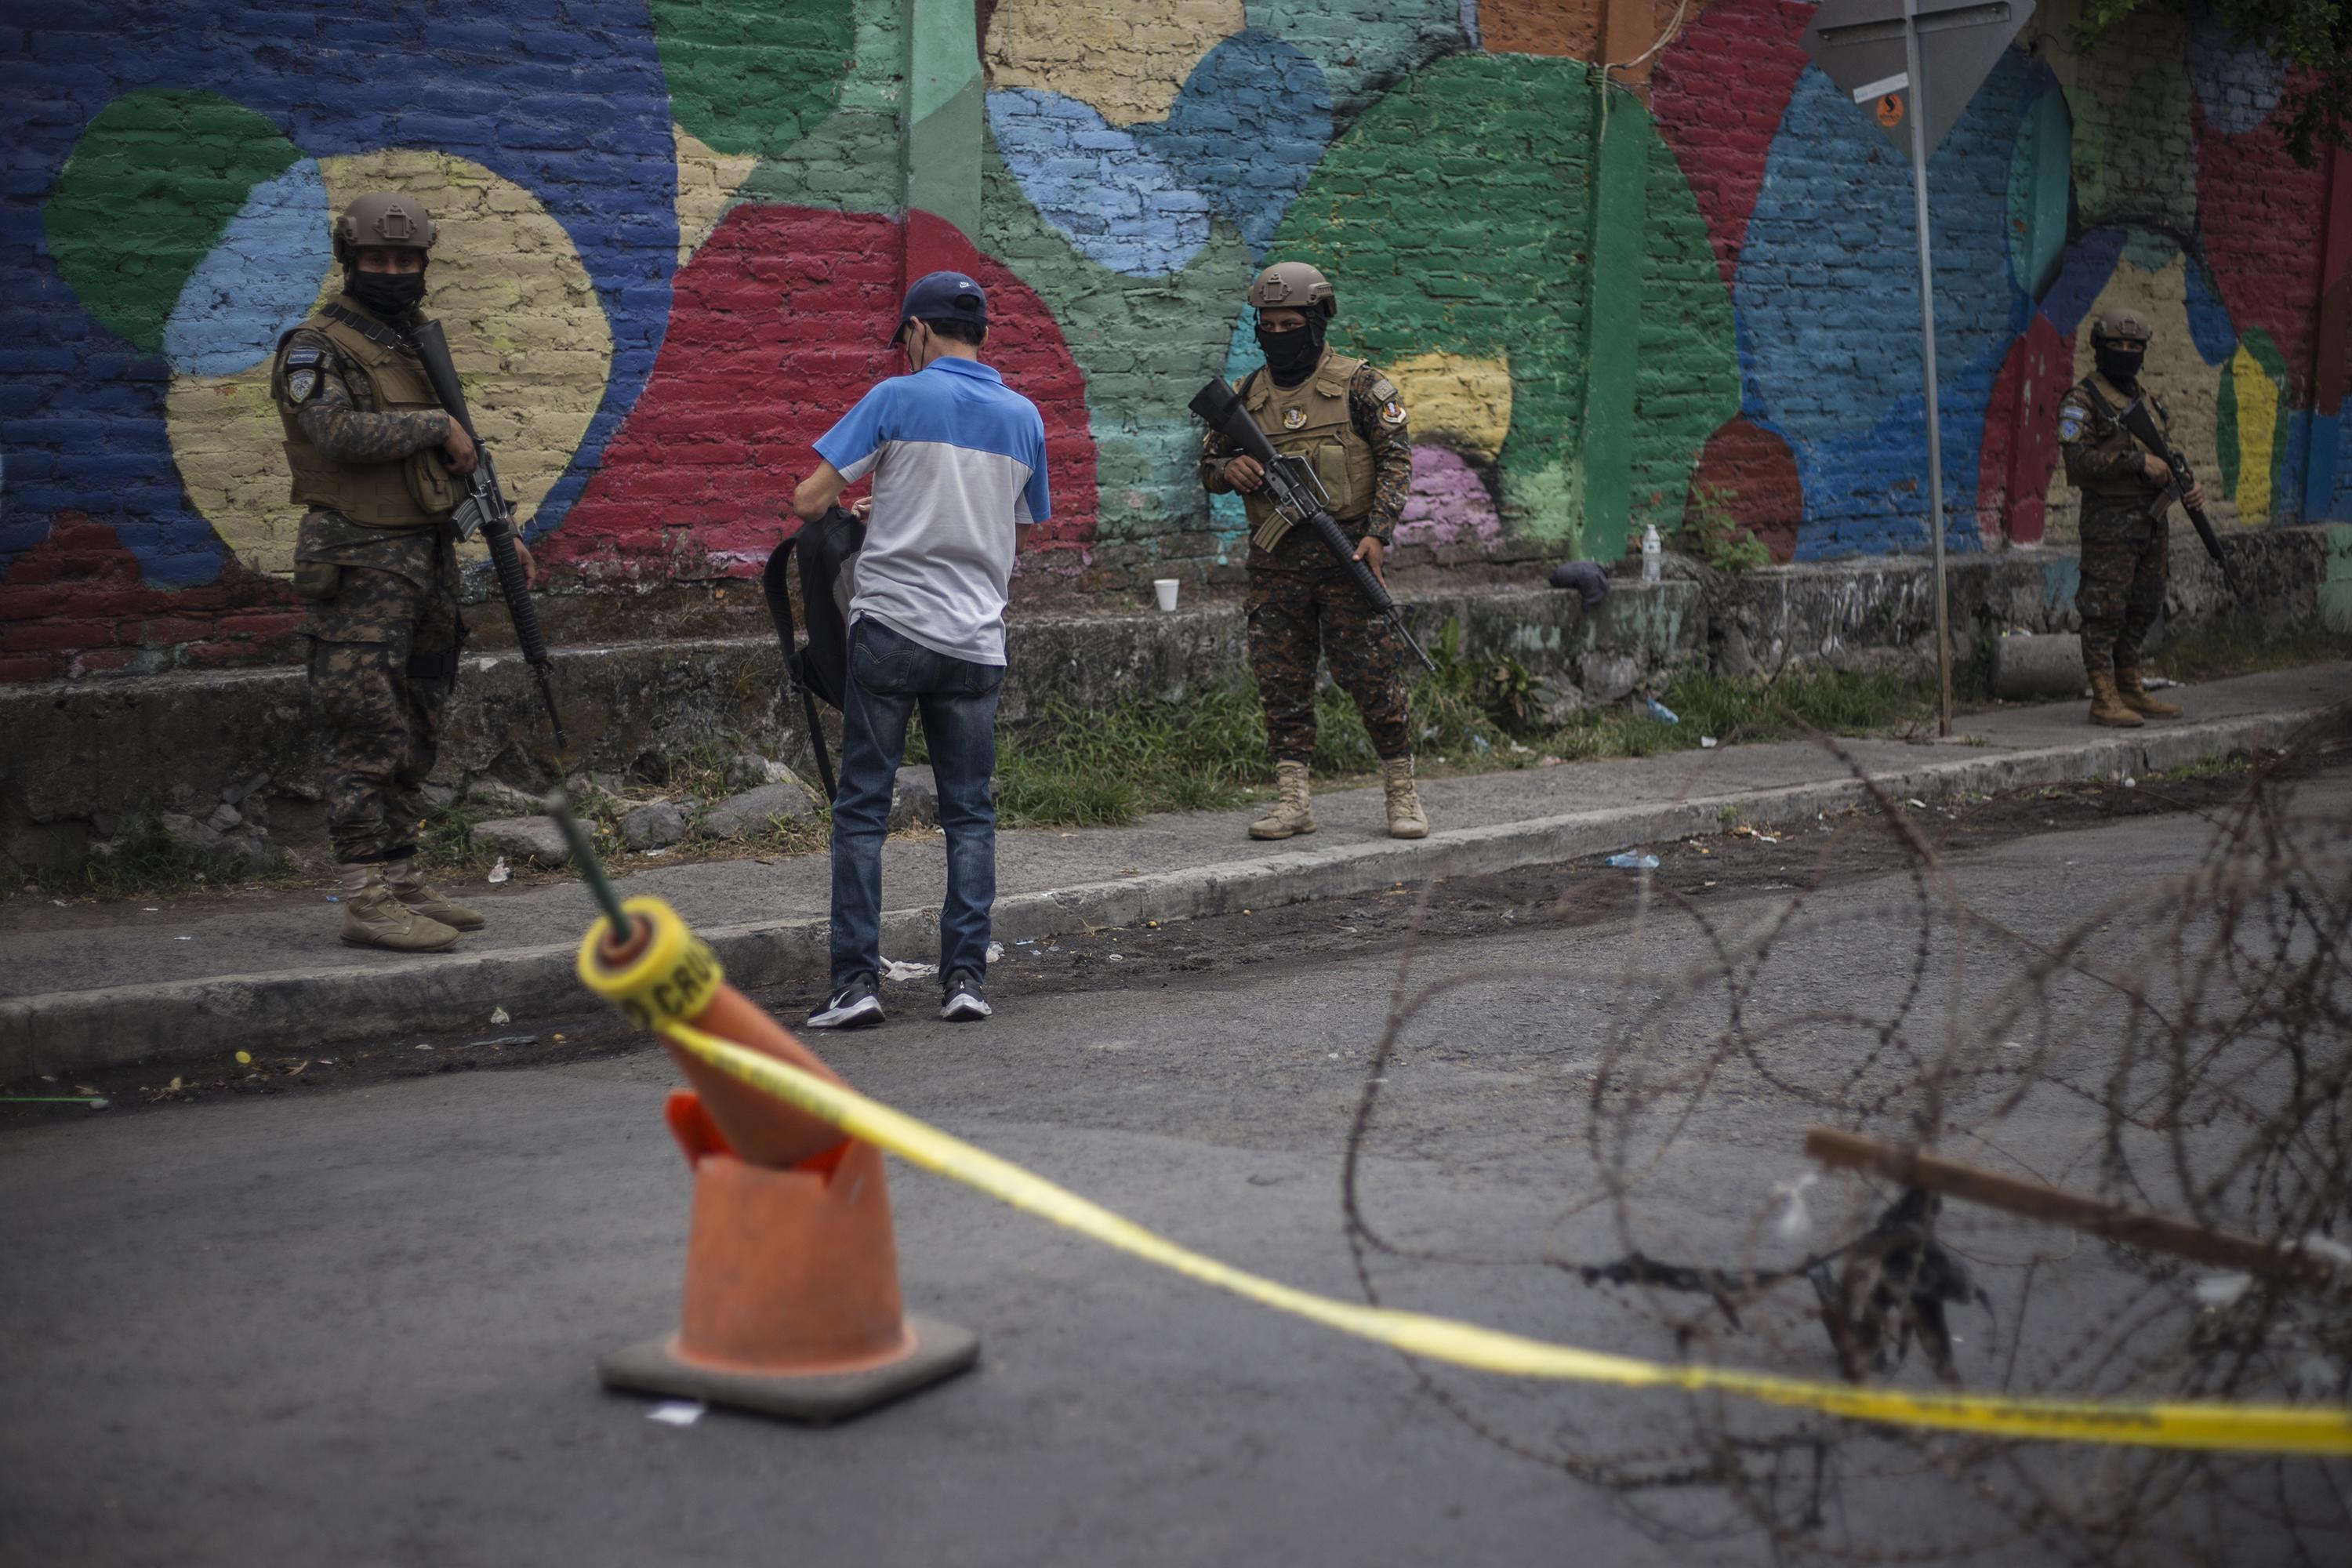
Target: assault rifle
[(485, 512), (1299, 496), (2136, 419)]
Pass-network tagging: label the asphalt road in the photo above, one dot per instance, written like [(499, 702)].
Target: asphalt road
[(358, 1325)]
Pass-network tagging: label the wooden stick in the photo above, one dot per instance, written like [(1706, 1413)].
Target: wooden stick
[(2038, 1200)]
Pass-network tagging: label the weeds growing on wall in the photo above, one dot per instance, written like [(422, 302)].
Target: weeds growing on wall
[(1712, 532)]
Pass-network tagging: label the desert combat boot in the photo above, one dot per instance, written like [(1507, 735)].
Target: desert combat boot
[(374, 916), (2108, 705), (409, 886), (1291, 811), (2136, 697), (1406, 819)]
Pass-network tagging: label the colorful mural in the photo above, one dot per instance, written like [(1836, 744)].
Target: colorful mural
[(676, 229)]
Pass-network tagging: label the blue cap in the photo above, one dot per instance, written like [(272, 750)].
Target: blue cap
[(943, 296)]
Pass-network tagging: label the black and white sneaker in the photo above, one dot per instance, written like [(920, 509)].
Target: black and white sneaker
[(854, 1006), (963, 1002)]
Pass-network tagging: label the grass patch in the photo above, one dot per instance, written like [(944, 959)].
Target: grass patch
[(140, 861), (2213, 652)]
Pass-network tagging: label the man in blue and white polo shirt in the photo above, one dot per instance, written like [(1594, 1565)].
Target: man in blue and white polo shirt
[(958, 466)]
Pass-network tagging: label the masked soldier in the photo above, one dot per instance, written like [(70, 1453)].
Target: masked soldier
[(1345, 420), (2126, 498), (379, 464)]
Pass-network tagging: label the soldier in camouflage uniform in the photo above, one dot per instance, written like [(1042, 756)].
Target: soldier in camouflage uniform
[(378, 464), (1346, 419), (2125, 530)]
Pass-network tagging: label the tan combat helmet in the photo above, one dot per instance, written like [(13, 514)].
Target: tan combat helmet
[(386, 219), (2121, 327), (1293, 286)]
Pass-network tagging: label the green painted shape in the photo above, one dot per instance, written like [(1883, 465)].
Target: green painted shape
[(943, 55), (2090, 150), (1621, 191), (2150, 250), (1546, 501), (1452, 217), (874, 83), (944, 158), (149, 187), (2147, 166), (1144, 345), (749, 76), (2336, 588), (2041, 177), (1688, 379), (1361, 49), (849, 162)]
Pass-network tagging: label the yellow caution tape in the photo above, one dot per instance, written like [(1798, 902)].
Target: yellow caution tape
[(2263, 1429), (671, 981)]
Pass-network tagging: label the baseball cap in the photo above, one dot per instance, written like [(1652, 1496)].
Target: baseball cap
[(943, 296)]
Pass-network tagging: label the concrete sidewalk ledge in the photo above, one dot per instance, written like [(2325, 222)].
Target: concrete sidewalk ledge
[(321, 1008)]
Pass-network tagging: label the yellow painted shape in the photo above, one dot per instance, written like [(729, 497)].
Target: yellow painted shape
[(529, 339), (2174, 370), (1455, 401), (708, 180), (2181, 1424), (1125, 58), (2258, 401)]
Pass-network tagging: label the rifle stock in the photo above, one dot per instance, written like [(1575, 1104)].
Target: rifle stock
[(1297, 496), (485, 505)]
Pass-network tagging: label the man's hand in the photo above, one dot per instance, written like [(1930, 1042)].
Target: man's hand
[(2155, 470), (460, 450), (862, 508), (1371, 551), (1244, 473), (2193, 497), (530, 566)]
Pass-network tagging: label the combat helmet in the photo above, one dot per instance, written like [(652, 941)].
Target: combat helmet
[(384, 218), (2123, 326), (1293, 286)]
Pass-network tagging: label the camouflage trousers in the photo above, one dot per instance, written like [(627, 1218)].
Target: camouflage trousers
[(384, 660), (1293, 618), (2122, 592)]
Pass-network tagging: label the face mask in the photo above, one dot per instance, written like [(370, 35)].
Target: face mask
[(391, 295), (2119, 365), (1291, 356)]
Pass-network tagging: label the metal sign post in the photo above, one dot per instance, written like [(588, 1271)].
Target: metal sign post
[(1954, 44)]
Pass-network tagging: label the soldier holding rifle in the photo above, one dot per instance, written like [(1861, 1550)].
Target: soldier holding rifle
[(382, 464), (1344, 420)]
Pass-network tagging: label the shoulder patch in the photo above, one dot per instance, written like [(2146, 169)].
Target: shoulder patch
[(300, 384), (303, 355), (1383, 389), (1392, 412)]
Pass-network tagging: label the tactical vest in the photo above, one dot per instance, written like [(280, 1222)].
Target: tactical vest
[(1311, 420), (415, 491), (2105, 435)]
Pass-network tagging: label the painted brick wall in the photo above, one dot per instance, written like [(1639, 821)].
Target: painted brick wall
[(675, 231)]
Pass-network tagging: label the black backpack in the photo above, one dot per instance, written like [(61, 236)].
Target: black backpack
[(827, 548)]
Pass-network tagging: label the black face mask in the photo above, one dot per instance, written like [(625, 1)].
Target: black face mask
[(1291, 357), (391, 295), (2119, 365)]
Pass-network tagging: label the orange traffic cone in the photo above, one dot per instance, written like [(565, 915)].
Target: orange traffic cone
[(792, 1301)]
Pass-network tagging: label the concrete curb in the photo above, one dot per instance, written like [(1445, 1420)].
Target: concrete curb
[(80, 1031)]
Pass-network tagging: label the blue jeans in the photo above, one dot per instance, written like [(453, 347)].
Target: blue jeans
[(890, 677)]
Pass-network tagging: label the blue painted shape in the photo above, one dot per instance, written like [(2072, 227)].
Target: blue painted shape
[(1247, 130), (2040, 179), (568, 103), (2083, 272), (2061, 578), (2238, 85), (2209, 318), (2326, 445), (259, 280), (2292, 457), (1100, 188), (1827, 294)]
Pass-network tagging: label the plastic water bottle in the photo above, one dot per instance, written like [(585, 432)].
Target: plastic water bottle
[(1650, 549), (1632, 862), (1660, 711)]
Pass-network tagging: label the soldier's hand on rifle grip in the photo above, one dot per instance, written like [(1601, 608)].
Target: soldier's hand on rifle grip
[(1371, 551), (2193, 497), (1246, 473), (2155, 470), (460, 449)]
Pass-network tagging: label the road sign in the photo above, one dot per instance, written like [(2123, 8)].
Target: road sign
[(1914, 65), (1859, 46)]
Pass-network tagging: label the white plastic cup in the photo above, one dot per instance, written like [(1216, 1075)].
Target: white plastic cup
[(1166, 588)]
